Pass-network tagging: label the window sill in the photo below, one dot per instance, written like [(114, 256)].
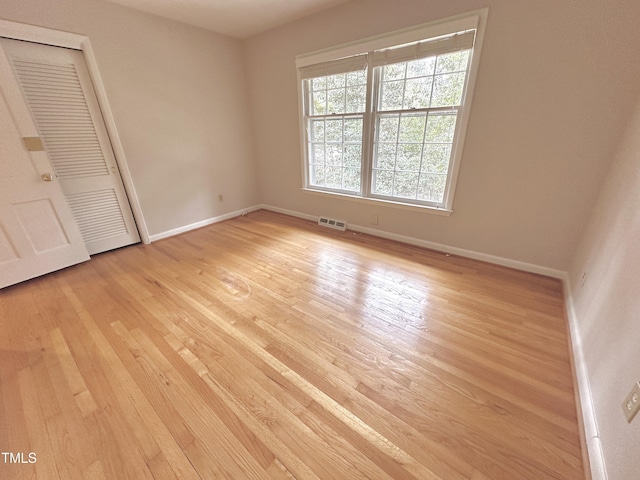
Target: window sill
[(379, 202)]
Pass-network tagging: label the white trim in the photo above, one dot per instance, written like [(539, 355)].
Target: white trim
[(59, 38), (204, 223), (476, 20), (465, 113), (591, 431), (36, 34), (378, 202), (291, 213), (440, 247), (445, 26)]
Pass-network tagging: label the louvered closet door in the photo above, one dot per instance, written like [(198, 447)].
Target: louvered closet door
[(37, 231), (57, 87)]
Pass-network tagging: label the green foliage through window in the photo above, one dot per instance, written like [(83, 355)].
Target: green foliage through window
[(410, 107)]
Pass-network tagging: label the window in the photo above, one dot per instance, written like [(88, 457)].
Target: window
[(336, 106), (388, 123)]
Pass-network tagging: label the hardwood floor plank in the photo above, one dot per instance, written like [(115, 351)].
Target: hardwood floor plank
[(39, 441), (94, 472), (266, 347)]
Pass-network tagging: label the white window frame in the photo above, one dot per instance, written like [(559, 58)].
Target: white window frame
[(475, 20)]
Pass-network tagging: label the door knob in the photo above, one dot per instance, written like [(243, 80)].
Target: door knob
[(47, 177)]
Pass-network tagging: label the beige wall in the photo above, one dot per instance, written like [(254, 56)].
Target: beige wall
[(178, 95), (607, 307), (551, 117), (550, 101)]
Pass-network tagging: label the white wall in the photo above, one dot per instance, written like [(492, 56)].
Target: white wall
[(178, 95), (607, 307), (550, 102)]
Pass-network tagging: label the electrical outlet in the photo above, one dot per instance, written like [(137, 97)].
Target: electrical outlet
[(631, 404), (374, 219)]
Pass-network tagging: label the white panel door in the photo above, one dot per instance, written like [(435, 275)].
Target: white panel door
[(38, 233), (57, 87)]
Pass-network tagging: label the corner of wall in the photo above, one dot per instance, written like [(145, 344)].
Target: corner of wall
[(591, 444), (203, 223)]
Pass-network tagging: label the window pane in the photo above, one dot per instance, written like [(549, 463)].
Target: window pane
[(427, 82), (352, 155), (335, 152), (394, 72), (436, 158), (447, 89), (351, 179), (453, 62), (388, 129), (338, 94), (356, 99), (441, 127), (336, 81), (317, 130), (333, 177), (335, 101), (405, 185), (391, 95), (357, 78), (317, 154), (431, 187), (409, 157), (385, 157), (417, 93), (353, 130), (382, 182), (318, 83), (319, 103), (333, 130), (421, 68), (412, 153), (316, 175), (412, 128)]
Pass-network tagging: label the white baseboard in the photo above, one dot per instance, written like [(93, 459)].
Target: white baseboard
[(203, 223), (506, 262), (592, 434), (291, 213)]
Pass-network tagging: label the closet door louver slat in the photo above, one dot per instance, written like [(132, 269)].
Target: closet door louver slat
[(61, 86), (58, 90), (98, 214)]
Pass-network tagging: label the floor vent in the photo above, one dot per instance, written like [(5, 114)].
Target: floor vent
[(331, 223)]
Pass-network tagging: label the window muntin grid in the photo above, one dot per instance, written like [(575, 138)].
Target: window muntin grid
[(334, 130), (338, 94), (335, 152), (430, 82), (412, 154), (413, 145), (425, 80)]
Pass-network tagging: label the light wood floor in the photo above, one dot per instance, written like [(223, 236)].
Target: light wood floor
[(268, 347)]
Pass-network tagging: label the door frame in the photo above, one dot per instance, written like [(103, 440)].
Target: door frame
[(59, 38)]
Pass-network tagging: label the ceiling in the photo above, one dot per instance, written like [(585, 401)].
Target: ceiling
[(236, 18)]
